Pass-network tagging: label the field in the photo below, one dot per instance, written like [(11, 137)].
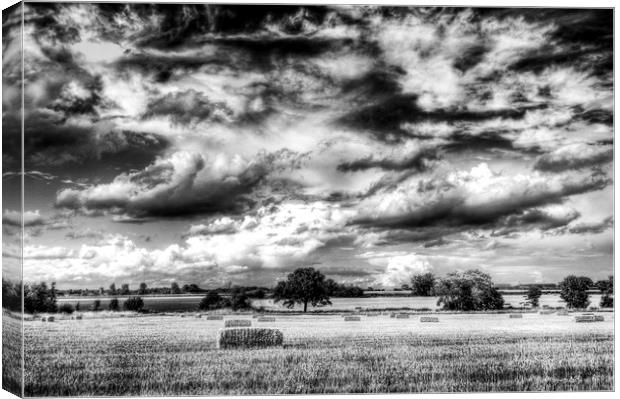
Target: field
[(190, 303), (11, 353), (176, 355)]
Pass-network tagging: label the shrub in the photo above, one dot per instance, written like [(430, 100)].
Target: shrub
[(134, 304), (249, 337), (212, 300), (533, 296), (113, 306), (66, 308), (96, 305)]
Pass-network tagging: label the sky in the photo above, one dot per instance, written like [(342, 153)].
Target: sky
[(232, 144)]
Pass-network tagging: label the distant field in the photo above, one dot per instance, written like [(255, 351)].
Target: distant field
[(190, 303), (175, 355)]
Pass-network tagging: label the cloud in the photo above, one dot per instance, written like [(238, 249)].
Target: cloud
[(181, 184), (574, 156), (30, 218), (592, 228), (399, 267), (188, 107), (477, 197)]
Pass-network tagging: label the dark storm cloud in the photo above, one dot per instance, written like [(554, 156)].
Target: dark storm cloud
[(592, 228), (575, 157), (532, 218), (416, 162), (453, 210), (180, 185), (188, 107)]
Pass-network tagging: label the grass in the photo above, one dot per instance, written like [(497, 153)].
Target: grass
[(11, 353), (177, 356)]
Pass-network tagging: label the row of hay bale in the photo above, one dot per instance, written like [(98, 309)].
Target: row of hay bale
[(47, 319)]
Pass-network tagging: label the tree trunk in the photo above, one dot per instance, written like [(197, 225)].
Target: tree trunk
[(305, 306)]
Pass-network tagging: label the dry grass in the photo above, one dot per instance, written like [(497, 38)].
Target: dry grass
[(169, 355), (11, 353)]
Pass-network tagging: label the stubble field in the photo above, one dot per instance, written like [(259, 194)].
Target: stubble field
[(174, 355)]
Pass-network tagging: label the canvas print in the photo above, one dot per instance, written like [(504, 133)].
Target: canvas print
[(226, 199)]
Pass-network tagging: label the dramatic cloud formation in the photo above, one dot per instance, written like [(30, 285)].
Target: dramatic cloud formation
[(371, 142)]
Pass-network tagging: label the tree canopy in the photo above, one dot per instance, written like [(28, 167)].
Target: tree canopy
[(303, 286), (574, 291), (422, 284), (469, 290)]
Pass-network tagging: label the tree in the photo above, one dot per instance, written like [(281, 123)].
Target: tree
[(112, 290), (142, 289), (96, 305), (574, 291), (212, 300), (239, 299), (134, 304), (422, 284), (39, 298), (607, 289), (469, 290), (125, 289), (303, 286), (11, 296), (113, 306), (77, 306), (175, 289), (533, 295)]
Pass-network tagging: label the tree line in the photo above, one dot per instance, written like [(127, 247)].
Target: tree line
[(467, 290)]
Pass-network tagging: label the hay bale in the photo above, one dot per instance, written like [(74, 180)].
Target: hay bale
[(516, 316), (43, 318), (546, 312), (238, 323), (215, 317), (248, 337), (372, 315), (429, 319), (199, 316), (358, 308), (266, 319), (50, 319), (78, 317), (562, 313), (352, 318), (588, 318), (402, 316), (392, 315)]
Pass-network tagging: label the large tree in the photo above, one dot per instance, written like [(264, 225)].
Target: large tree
[(422, 284), (303, 286), (469, 290), (574, 291)]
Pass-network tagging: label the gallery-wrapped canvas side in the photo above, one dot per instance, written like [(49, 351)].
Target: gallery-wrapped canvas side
[(12, 188)]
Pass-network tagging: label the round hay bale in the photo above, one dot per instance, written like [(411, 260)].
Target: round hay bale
[(78, 317), (43, 318), (516, 316), (429, 319), (215, 317), (352, 318), (50, 319), (266, 319), (248, 337), (238, 323)]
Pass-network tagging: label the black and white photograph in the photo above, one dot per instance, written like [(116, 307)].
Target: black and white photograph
[(280, 199)]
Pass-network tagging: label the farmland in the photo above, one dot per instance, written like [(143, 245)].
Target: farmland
[(176, 355), (172, 303)]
